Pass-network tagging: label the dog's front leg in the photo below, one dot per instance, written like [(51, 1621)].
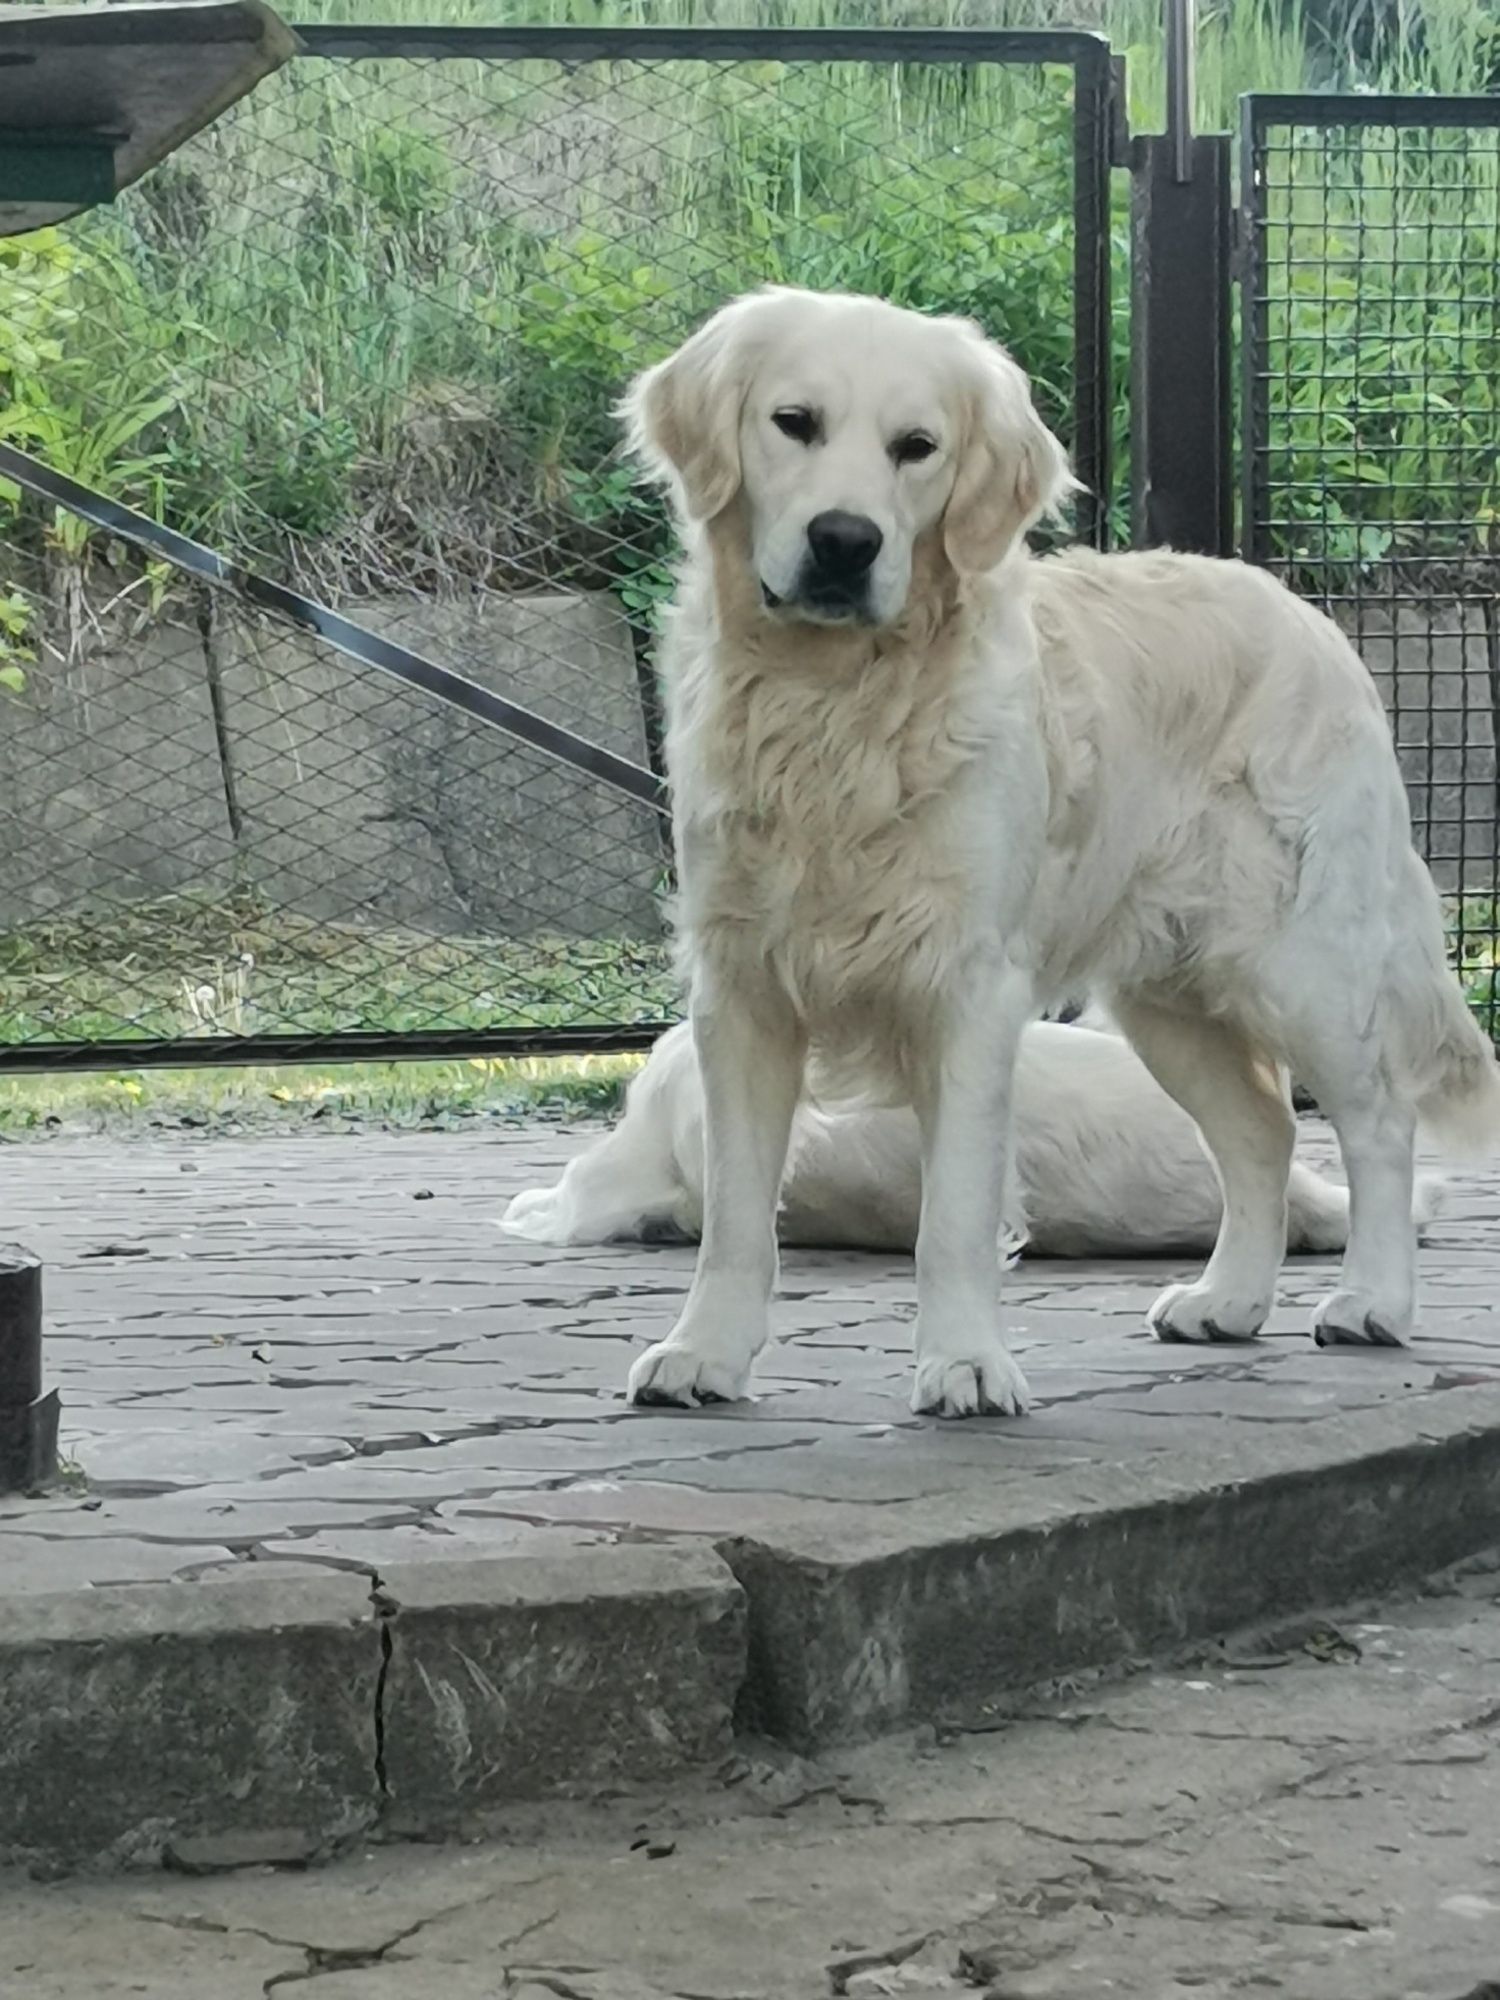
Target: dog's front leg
[(751, 1052), (963, 1092)]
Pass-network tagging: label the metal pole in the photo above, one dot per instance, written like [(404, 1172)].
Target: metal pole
[(28, 1418), (1181, 431), (1182, 34)]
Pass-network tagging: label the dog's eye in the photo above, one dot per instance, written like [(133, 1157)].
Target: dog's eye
[(913, 448), (799, 424)]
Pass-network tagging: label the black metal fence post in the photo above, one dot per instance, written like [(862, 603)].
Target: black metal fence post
[(1181, 406), (28, 1418)]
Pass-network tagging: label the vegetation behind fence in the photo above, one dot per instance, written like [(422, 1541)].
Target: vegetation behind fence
[(367, 331)]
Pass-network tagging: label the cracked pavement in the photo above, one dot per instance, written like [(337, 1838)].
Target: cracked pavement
[(321, 1350), (1312, 1811)]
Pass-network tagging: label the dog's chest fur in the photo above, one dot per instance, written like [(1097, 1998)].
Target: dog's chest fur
[(819, 822)]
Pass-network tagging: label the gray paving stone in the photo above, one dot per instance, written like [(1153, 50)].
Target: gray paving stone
[(378, 1549), (164, 1461), (307, 1357), (35, 1565)]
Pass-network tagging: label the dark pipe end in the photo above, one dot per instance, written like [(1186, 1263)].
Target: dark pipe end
[(20, 1327)]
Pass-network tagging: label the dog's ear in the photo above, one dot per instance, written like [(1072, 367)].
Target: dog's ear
[(682, 417), (1011, 469)]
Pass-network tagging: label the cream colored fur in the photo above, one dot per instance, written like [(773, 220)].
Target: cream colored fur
[(904, 826), (1105, 1165)]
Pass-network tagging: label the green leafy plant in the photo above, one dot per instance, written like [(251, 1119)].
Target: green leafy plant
[(17, 619)]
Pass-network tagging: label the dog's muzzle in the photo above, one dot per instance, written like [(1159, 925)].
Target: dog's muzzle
[(834, 581)]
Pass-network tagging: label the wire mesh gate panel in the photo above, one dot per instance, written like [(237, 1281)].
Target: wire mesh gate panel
[(1371, 437), (365, 337)]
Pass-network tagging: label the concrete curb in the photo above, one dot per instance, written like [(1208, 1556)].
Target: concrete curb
[(938, 1605), (541, 1676), (272, 1718), (130, 1719)]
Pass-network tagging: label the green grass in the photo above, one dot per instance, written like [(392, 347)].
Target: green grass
[(320, 1098), (403, 1095), (185, 966)]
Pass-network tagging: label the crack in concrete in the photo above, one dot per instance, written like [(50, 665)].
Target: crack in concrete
[(1120, 1895), (385, 1609), (1116, 1896), (842, 1970), (323, 1959), (557, 1980), (1125, 1899)]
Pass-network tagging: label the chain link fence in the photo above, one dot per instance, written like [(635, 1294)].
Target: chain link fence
[(364, 337), (1372, 437)]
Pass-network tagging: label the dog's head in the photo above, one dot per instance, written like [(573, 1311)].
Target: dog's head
[(843, 434)]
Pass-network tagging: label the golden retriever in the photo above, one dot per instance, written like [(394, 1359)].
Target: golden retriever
[(923, 784), (1106, 1165)]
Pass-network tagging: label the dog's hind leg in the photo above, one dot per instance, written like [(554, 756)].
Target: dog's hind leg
[(619, 1190), (1238, 1099), (631, 1181), (1375, 1302)]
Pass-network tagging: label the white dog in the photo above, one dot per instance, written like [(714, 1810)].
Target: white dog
[(1106, 1165), (924, 784)]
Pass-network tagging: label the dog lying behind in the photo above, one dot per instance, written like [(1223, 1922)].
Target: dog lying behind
[(1105, 1165)]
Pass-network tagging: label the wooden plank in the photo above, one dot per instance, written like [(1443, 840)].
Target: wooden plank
[(144, 77)]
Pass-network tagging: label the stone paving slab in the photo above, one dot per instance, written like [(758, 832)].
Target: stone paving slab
[(324, 1348), (297, 1357)]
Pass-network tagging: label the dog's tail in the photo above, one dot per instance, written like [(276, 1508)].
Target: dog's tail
[(1318, 1210), (1460, 1108), (1448, 1058)]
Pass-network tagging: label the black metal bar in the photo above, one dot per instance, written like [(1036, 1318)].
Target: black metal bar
[(1094, 89), (1181, 410), (1254, 401), (582, 45), (340, 1046), (357, 643), (1320, 107)]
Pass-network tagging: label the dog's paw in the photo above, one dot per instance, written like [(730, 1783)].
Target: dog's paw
[(1200, 1313), (987, 1382), (540, 1215), (1361, 1319), (687, 1373)]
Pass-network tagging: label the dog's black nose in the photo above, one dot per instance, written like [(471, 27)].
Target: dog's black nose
[(843, 545)]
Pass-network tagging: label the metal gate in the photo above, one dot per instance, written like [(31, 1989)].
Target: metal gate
[(1370, 338), (357, 756)]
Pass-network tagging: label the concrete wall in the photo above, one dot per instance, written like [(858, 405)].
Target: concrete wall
[(109, 774), (147, 759), (248, 754)]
